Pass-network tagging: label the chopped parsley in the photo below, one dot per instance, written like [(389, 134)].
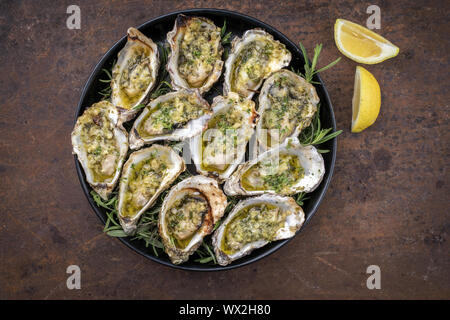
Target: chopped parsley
[(197, 53), (278, 181), (98, 151)]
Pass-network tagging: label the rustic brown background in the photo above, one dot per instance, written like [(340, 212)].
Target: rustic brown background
[(387, 204)]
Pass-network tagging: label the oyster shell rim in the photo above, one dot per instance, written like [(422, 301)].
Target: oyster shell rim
[(104, 190), (235, 48), (224, 259), (217, 204), (195, 140), (129, 224), (233, 187), (134, 34), (172, 61), (136, 141), (259, 147)]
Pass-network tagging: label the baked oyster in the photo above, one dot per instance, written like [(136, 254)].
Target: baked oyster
[(255, 222), (287, 104), (101, 144), (134, 74), (196, 51), (221, 147), (252, 59), (287, 169), (174, 116), (189, 213), (146, 174)]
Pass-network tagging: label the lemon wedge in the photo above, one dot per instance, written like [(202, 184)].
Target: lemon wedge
[(366, 100), (362, 45)]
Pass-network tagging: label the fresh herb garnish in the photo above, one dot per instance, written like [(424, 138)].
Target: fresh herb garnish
[(139, 106), (224, 35), (163, 86), (106, 92), (98, 151), (315, 134), (205, 253), (163, 116), (310, 69), (300, 198), (278, 181), (147, 228), (231, 203), (197, 54)]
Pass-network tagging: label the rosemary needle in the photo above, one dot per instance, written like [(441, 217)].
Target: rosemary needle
[(315, 134)]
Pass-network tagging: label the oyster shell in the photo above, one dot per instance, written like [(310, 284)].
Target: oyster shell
[(252, 59), (189, 213), (135, 73), (287, 169), (101, 144), (196, 51), (255, 222), (174, 116), (146, 174), (221, 147), (287, 104)]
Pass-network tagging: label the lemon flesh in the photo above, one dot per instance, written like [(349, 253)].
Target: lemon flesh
[(366, 100), (361, 44)]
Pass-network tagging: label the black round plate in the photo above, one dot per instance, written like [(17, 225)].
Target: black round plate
[(237, 23)]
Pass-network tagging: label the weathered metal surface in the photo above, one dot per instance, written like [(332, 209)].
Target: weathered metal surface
[(387, 204)]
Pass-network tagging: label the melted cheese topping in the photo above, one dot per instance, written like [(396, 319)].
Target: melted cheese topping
[(170, 115), (135, 77), (290, 106), (251, 224), (227, 131), (97, 137), (143, 180), (279, 177), (199, 51), (254, 63), (185, 217)]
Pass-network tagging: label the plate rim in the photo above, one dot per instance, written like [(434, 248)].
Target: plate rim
[(278, 244)]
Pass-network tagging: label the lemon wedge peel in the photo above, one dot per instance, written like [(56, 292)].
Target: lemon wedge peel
[(366, 100), (361, 44)]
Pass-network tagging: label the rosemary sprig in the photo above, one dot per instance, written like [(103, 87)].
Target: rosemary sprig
[(231, 200), (310, 69), (147, 228), (300, 198), (206, 254), (224, 35), (139, 106), (106, 92), (108, 74), (100, 203), (315, 134), (163, 86)]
